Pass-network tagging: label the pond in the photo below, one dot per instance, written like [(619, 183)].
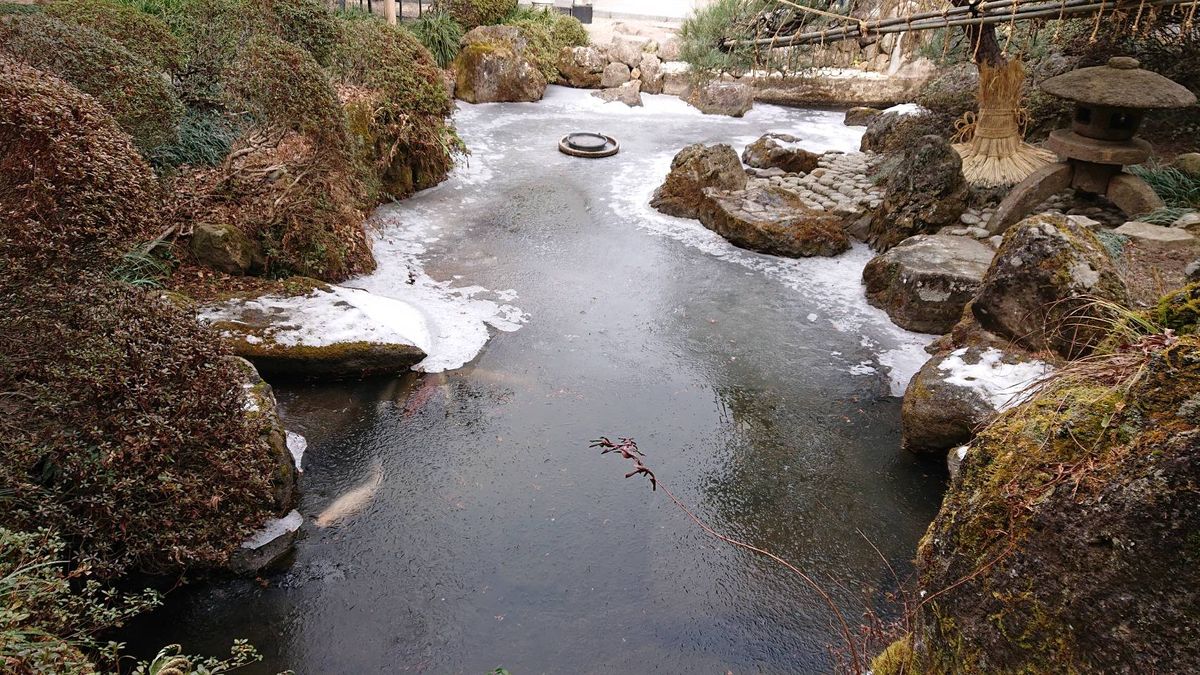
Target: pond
[(759, 388)]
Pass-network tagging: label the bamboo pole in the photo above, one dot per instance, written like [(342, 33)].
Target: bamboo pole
[(1032, 9)]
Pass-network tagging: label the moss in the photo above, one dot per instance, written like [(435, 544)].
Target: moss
[(896, 659), (132, 91), (472, 13), (1179, 311), (547, 33)]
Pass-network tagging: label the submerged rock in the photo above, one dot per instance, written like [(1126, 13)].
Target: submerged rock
[(1038, 290), (779, 151), (773, 220), (492, 67), (956, 394), (331, 331), (628, 93), (924, 192), (581, 67), (717, 97), (1068, 542), (924, 282), (693, 169)]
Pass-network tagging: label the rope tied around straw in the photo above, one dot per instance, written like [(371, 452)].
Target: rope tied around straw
[(991, 141), (991, 123)]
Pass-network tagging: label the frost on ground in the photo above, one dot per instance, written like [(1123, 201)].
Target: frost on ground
[(273, 529), (1003, 385)]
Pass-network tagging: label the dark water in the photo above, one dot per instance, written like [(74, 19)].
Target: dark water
[(497, 538)]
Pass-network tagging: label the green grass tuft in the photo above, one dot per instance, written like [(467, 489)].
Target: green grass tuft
[(1176, 188), (440, 34)]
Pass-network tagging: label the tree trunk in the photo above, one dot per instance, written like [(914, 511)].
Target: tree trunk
[(984, 47), (389, 12)]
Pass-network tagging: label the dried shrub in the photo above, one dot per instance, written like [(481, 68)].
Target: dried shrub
[(472, 13), (308, 24), (143, 104), (397, 106), (116, 406), (74, 193), (547, 32), (142, 34)]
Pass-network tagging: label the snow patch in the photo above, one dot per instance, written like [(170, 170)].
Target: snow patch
[(296, 444), (274, 529), (907, 109), (1003, 385)]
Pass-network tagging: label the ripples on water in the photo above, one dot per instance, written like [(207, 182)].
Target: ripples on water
[(759, 388)]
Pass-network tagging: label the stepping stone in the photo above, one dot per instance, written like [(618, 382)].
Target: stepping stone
[(1156, 234)]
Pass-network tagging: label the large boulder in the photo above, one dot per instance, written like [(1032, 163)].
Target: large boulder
[(925, 192), (1068, 542), (652, 74), (891, 132), (693, 169), (492, 67), (327, 331), (225, 248), (581, 67), (1188, 163), (614, 74), (1038, 291), (677, 79), (773, 220), (780, 151), (956, 394), (924, 282), (717, 97), (860, 116), (628, 93)]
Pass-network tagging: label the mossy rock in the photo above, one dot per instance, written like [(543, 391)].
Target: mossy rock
[(1076, 509), (1179, 311), (1039, 287)]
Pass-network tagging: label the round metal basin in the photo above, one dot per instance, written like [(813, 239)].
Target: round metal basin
[(587, 144)]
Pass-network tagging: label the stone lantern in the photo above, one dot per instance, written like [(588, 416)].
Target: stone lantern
[(1110, 101)]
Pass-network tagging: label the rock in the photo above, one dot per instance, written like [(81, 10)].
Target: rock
[(1189, 221), (722, 98), (628, 93), (860, 116), (328, 331), (1074, 510), (627, 50), (693, 169), (677, 80), (1157, 235), (668, 49), (581, 67), (924, 282), (615, 74), (925, 192), (1036, 291), (773, 220), (260, 403), (954, 460), (225, 248), (1189, 163), (652, 75), (268, 548), (1193, 271), (954, 395), (492, 67), (893, 132), (781, 151)]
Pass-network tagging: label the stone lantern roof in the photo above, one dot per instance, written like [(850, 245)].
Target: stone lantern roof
[(1119, 84)]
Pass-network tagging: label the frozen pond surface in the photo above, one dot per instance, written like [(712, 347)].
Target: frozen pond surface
[(759, 388)]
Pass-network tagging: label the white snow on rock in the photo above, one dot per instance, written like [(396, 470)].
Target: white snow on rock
[(329, 317), (906, 109), (273, 529), (296, 444), (1003, 385)]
